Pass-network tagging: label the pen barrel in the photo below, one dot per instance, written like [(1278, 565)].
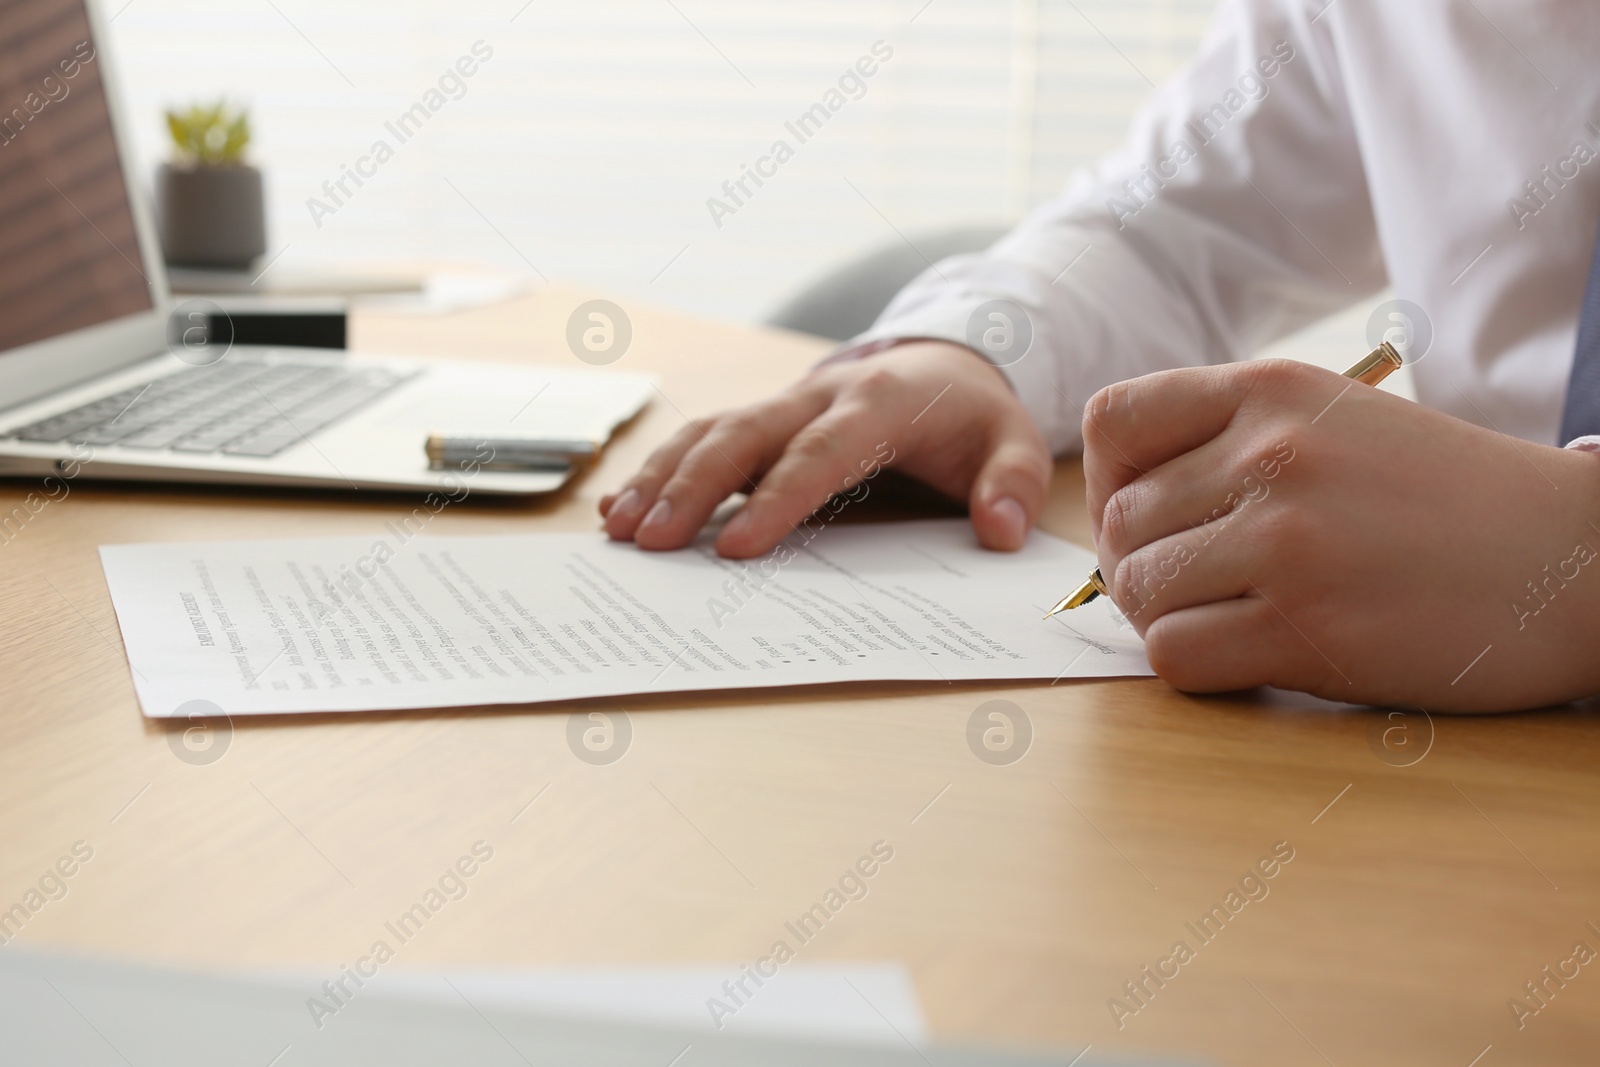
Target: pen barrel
[(509, 453), (1376, 365)]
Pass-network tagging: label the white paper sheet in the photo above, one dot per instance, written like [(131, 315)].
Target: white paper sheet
[(861, 1002), (395, 621)]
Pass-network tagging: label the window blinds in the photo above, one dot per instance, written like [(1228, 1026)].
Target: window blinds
[(590, 142)]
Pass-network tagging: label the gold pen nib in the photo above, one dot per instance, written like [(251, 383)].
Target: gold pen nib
[(1092, 587)]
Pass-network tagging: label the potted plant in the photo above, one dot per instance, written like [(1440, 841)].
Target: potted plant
[(208, 199)]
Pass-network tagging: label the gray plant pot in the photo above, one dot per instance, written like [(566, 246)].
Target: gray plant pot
[(211, 216)]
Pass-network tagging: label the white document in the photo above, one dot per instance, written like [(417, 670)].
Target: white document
[(858, 1002), (395, 621)]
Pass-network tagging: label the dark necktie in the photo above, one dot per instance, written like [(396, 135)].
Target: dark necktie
[(1582, 414)]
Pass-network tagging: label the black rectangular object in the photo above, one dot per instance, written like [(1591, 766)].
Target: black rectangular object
[(288, 329)]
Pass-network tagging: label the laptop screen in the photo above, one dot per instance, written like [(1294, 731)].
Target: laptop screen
[(69, 254)]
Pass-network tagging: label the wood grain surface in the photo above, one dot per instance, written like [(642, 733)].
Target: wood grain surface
[(1429, 880)]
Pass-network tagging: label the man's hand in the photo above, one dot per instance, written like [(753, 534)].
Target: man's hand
[(1270, 523), (935, 411)]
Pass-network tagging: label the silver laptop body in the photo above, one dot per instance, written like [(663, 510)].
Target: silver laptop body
[(102, 377)]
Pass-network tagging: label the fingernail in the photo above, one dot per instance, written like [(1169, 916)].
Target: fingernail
[(624, 505), (1012, 519), (737, 525), (659, 515)]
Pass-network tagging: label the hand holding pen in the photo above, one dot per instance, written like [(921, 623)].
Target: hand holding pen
[(1374, 367), (1404, 556)]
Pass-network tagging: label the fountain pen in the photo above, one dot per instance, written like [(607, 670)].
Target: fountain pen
[(1374, 367)]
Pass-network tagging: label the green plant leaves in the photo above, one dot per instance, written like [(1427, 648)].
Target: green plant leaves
[(214, 135)]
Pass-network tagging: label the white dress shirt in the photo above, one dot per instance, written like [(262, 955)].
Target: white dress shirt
[(1448, 149)]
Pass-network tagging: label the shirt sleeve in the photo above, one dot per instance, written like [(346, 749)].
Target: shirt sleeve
[(1236, 212)]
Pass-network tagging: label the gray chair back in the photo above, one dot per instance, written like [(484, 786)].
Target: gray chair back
[(850, 298)]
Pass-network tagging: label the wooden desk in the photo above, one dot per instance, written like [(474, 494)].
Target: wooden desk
[(1021, 897)]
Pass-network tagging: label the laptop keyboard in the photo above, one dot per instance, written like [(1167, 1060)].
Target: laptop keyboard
[(236, 408)]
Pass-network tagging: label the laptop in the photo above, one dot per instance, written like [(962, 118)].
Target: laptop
[(103, 377)]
